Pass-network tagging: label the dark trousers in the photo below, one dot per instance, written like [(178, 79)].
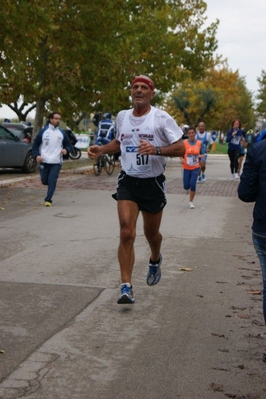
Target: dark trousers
[(49, 173), (259, 242), (233, 156)]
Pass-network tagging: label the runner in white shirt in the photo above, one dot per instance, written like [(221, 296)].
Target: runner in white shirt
[(145, 136), (206, 145)]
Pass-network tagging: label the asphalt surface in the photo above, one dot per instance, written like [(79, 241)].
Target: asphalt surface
[(198, 334)]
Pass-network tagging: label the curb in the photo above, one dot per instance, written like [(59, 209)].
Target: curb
[(12, 182), (82, 170), (89, 169)]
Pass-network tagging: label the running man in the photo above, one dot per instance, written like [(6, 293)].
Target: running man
[(145, 135), (206, 145)]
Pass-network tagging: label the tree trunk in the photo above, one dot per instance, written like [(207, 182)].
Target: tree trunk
[(38, 121)]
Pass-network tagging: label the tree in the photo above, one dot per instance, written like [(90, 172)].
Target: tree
[(245, 108), (80, 56), (261, 107), (217, 98), (205, 99), (22, 108)]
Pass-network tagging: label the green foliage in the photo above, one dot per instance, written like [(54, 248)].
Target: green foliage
[(217, 98), (261, 107), (245, 108), (220, 148), (79, 56)]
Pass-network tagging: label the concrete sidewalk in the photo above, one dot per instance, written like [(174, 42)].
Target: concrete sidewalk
[(198, 334)]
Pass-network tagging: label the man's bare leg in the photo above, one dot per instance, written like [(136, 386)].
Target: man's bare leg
[(128, 212), (152, 224)]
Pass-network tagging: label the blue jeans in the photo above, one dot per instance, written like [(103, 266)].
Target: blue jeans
[(259, 242), (49, 173), (190, 178)]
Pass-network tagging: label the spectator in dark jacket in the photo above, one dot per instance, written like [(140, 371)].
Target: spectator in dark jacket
[(252, 188)]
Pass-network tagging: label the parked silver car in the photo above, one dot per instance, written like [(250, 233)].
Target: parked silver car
[(20, 129), (15, 153)]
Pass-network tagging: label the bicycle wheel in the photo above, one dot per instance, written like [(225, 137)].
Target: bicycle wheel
[(97, 166), (109, 164)]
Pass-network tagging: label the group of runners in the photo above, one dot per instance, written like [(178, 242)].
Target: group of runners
[(146, 136)]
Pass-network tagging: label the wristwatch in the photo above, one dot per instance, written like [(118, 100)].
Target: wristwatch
[(158, 151)]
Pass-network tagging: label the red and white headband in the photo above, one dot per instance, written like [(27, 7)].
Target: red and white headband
[(144, 79)]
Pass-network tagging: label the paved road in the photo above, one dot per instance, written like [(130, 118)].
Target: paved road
[(198, 334)]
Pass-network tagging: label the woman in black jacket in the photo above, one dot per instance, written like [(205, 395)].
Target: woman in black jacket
[(252, 188)]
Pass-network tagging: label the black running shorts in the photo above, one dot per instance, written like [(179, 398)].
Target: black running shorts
[(149, 194)]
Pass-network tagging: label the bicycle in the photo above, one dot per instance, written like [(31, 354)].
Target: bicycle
[(105, 161)]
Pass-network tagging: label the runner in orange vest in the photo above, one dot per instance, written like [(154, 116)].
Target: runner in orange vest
[(191, 165)]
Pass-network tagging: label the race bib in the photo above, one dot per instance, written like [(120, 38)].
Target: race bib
[(236, 140), (136, 163), (192, 160)]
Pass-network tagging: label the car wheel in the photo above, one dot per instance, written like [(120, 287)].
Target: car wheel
[(29, 164)]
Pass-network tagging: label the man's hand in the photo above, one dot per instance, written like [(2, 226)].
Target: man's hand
[(39, 159), (145, 148), (94, 151)]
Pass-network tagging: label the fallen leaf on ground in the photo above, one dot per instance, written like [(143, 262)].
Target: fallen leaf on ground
[(218, 335), (2, 209), (216, 387), (220, 369), (2, 351), (239, 256), (185, 269), (243, 316), (254, 292)]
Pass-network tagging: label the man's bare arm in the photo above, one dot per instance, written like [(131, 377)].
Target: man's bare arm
[(95, 151), (177, 149)]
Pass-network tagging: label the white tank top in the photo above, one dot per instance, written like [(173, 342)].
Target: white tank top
[(134, 164)]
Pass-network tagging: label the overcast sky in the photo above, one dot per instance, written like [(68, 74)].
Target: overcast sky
[(241, 38)]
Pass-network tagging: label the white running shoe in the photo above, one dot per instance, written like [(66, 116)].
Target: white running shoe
[(191, 206), (154, 273), (126, 294), (236, 176)]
